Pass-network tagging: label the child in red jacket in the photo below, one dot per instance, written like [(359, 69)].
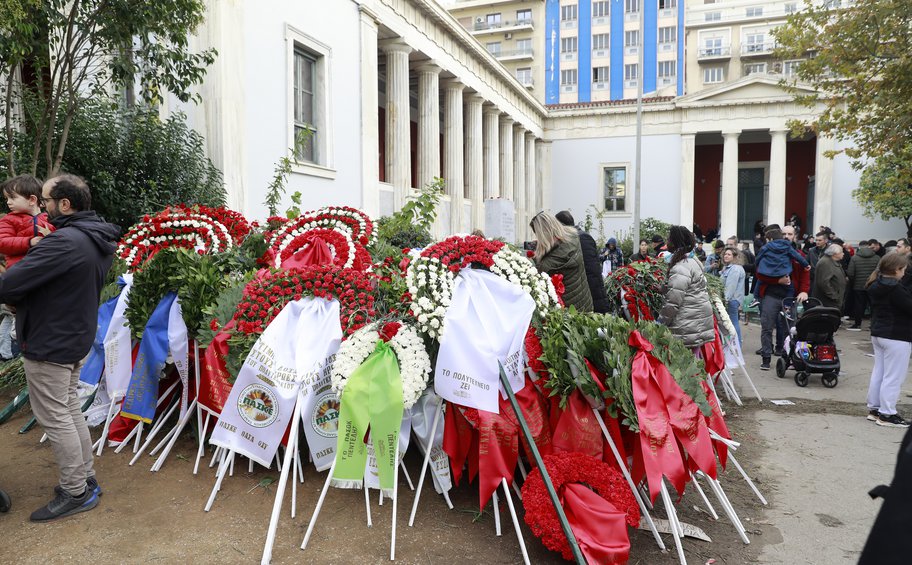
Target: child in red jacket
[(26, 224)]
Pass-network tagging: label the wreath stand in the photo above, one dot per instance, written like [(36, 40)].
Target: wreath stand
[(424, 466), (733, 359)]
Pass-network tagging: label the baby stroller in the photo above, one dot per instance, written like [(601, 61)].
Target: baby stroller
[(810, 347)]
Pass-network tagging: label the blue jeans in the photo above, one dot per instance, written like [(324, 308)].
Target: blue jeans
[(732, 309)]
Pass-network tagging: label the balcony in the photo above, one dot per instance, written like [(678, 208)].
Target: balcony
[(528, 82), (708, 54), (514, 54), (483, 27), (757, 49)]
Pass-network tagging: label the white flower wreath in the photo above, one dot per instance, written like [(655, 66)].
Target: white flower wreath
[(723, 317), (205, 233), (414, 361), (431, 284)]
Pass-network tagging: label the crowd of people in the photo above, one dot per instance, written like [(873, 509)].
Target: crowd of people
[(778, 265)]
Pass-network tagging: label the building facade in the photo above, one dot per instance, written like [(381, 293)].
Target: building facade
[(512, 31), (398, 92)]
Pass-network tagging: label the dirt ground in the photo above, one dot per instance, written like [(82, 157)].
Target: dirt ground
[(813, 461)]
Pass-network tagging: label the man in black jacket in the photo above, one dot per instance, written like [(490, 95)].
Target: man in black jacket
[(55, 289), (592, 263)]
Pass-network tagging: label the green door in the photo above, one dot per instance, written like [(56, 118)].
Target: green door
[(750, 201)]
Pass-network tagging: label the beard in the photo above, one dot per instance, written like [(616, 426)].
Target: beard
[(52, 214)]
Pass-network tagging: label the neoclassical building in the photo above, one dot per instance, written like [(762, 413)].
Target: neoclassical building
[(397, 92)]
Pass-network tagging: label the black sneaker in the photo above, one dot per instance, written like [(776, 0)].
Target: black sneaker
[(92, 483), (891, 421), (779, 352), (759, 352), (65, 504), (765, 365), (873, 415)]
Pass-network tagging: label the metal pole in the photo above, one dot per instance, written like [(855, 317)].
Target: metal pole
[(638, 165), (565, 525)]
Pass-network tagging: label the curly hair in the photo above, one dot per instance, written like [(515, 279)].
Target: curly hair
[(681, 241)]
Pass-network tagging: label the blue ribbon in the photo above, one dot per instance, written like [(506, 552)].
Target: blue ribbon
[(142, 393), (94, 364)]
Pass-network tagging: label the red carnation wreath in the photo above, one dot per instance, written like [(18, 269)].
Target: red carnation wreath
[(237, 224), (175, 226), (567, 468), (329, 224)]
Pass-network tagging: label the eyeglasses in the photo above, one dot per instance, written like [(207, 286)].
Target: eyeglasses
[(44, 200)]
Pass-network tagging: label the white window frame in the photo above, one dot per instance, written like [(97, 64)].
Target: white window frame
[(791, 64), (668, 4), (631, 6), (756, 68), (635, 75), (721, 73), (712, 16), (628, 189), (668, 34), (673, 65), (521, 71), (632, 33), (571, 10), (596, 71), (570, 72), (523, 19), (523, 45), (791, 7), (498, 48), (601, 9), (566, 42), (753, 11), (601, 41), (295, 39)]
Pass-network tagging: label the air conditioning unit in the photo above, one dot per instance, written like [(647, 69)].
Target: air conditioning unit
[(666, 47), (508, 36), (568, 56), (600, 85), (630, 84), (630, 50), (600, 53)]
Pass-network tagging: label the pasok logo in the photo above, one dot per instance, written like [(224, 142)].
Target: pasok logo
[(326, 415), (257, 406)]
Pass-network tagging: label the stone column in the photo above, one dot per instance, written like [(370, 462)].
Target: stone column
[(506, 157), (729, 201), (519, 179), (398, 142), (775, 209), (491, 153), (688, 148), (531, 174), (543, 178), (474, 158), (428, 123), (823, 184), (453, 144), (370, 123)]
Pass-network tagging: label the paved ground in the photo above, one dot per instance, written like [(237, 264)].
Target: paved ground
[(814, 461), (820, 458)]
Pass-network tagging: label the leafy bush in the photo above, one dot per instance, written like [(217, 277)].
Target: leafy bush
[(648, 228), (135, 163)]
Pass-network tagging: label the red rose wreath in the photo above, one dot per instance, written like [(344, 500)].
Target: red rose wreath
[(600, 540)]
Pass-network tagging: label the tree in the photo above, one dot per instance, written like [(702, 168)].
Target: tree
[(63, 50), (857, 61), (885, 191)]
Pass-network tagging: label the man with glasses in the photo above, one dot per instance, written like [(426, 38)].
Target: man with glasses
[(55, 289)]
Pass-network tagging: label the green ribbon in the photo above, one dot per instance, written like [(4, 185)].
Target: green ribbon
[(372, 397)]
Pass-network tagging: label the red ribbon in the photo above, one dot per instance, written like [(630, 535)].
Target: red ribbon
[(317, 253), (457, 440), (716, 423), (713, 354), (498, 450), (599, 527), (577, 430), (535, 410), (666, 416), (214, 377)]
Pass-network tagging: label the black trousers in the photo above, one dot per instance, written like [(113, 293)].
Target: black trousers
[(860, 305)]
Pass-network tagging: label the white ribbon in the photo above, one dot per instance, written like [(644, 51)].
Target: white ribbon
[(423, 413), (486, 322), (281, 369), (177, 343), (118, 346)]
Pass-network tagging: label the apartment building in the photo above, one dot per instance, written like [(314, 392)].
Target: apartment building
[(730, 39), (512, 31)]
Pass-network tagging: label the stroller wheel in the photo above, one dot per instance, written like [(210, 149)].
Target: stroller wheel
[(801, 378), (781, 366), (830, 380)]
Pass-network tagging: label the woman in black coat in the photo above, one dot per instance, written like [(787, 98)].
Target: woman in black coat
[(891, 335)]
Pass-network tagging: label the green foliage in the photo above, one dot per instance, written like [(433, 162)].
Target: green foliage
[(645, 278), (136, 163), (12, 374), (410, 226), (855, 67), (275, 190), (648, 228), (568, 338), (96, 46), (885, 190), (222, 310), (197, 279)]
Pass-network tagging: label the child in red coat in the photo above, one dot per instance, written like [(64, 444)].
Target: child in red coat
[(26, 224)]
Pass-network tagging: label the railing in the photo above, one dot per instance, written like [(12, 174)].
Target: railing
[(714, 52), (765, 48), (507, 53), (490, 26)]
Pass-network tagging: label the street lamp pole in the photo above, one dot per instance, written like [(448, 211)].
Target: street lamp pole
[(638, 165)]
